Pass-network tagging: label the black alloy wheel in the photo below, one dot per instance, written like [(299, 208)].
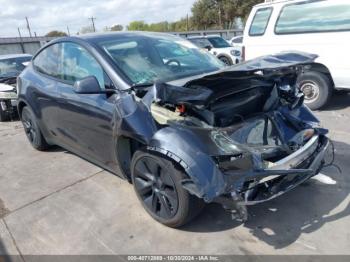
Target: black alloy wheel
[(156, 188), (157, 183), (29, 128)]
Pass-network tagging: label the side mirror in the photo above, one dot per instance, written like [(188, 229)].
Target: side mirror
[(208, 47), (87, 85)]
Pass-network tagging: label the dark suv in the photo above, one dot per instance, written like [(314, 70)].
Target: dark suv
[(171, 119)]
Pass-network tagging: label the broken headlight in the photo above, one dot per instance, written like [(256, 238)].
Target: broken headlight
[(234, 156)]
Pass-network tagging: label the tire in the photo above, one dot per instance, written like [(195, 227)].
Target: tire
[(32, 130), (317, 89), (157, 183), (4, 116), (225, 60)]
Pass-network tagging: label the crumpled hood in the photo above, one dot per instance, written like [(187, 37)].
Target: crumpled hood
[(271, 62), (276, 61), (202, 89)]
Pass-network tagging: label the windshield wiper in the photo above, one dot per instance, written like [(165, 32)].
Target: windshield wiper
[(142, 85)]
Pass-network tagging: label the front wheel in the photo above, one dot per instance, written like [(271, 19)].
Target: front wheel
[(317, 89), (225, 60), (157, 183)]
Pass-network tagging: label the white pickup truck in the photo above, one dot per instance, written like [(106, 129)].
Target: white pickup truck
[(320, 27), (10, 67)]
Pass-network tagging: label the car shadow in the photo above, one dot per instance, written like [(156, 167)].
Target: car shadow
[(340, 100), (281, 221)]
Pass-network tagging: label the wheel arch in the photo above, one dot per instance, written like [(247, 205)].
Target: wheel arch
[(126, 147), (20, 106), (321, 68), (226, 56), (186, 149), (125, 150)]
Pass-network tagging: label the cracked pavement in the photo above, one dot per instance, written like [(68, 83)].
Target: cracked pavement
[(57, 203)]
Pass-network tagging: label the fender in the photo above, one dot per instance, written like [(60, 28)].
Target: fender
[(186, 148), (133, 119)]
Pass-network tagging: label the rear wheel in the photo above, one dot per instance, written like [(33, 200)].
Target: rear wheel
[(157, 183), (32, 130), (317, 89)]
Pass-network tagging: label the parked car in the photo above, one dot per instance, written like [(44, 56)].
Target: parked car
[(319, 27), (173, 120), (237, 41), (219, 47), (10, 67)]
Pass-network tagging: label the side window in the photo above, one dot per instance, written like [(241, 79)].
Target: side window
[(313, 17), (48, 61), (260, 21), (79, 63)]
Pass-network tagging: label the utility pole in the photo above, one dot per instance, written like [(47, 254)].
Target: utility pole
[(28, 27), (21, 41), (187, 27), (93, 23), (68, 31), (19, 32)]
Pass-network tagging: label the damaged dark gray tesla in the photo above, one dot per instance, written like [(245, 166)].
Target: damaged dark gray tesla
[(171, 119)]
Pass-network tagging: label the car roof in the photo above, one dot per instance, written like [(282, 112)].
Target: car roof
[(202, 36), (2, 57), (272, 2), (96, 37)]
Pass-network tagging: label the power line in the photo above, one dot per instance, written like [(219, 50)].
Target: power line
[(93, 23)]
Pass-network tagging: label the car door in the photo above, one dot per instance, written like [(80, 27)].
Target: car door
[(42, 89), (86, 120)]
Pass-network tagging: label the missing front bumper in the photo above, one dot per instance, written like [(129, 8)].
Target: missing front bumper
[(263, 185)]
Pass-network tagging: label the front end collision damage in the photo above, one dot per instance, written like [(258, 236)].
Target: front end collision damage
[(238, 162), (8, 99)]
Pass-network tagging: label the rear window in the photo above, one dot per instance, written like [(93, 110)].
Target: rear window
[(313, 17), (260, 21), (200, 42)]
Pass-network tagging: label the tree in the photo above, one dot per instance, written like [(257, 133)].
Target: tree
[(55, 33), (205, 14), (117, 28), (138, 26), (214, 14)]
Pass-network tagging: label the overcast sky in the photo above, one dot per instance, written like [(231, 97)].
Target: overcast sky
[(47, 15)]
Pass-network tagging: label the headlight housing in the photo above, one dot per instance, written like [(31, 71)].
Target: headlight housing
[(235, 52)]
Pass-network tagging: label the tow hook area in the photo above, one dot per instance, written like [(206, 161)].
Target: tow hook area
[(234, 204)]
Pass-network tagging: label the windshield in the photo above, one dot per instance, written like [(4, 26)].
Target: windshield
[(12, 67), (201, 42), (149, 59), (218, 42)]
